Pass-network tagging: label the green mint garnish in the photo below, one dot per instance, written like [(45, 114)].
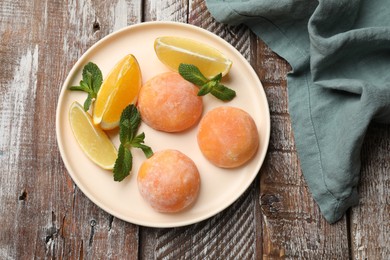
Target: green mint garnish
[(91, 82), (213, 86), (128, 127)]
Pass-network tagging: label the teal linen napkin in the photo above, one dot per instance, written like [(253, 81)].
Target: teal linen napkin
[(339, 51)]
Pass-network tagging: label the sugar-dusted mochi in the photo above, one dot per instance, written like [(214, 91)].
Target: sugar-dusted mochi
[(169, 103), (169, 181), (227, 136)]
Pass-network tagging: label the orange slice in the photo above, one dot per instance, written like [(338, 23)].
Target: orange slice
[(175, 50), (118, 90), (92, 139)]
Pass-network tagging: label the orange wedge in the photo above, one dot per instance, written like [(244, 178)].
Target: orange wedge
[(173, 50), (93, 141), (118, 90)]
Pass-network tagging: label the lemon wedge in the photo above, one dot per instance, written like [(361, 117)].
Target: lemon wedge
[(92, 139), (119, 89), (173, 50)]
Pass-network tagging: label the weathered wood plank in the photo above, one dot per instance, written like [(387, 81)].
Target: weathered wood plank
[(370, 222), (43, 214), (18, 155), (232, 234), (228, 235), (150, 238), (87, 231), (292, 225), (161, 10), (244, 41)]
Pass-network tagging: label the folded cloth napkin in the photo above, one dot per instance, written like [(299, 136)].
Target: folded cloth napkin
[(339, 51)]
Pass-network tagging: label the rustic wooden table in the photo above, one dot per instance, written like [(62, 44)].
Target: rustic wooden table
[(43, 214)]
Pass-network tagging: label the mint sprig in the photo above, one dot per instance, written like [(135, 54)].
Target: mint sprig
[(91, 82), (213, 86), (128, 127)]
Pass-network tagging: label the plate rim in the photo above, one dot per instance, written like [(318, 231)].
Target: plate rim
[(72, 73)]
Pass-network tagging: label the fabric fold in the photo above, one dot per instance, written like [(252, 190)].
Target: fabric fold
[(339, 51)]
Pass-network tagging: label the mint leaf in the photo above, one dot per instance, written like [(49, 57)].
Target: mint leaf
[(123, 164), (78, 88), (206, 88), (87, 102), (146, 149), (192, 74), (139, 138), (93, 76), (91, 82), (223, 93), (87, 76), (128, 127), (217, 78), (138, 142), (128, 124)]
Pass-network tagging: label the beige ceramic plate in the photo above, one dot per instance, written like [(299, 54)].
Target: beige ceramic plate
[(219, 187)]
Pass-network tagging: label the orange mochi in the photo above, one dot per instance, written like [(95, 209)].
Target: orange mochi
[(169, 103), (169, 181), (228, 136)]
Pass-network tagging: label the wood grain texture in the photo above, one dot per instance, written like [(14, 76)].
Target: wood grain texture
[(43, 212), (44, 215), (370, 222), (231, 234), (161, 10), (293, 227), (87, 231)]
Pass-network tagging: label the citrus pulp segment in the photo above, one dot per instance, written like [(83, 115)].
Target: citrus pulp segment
[(119, 89), (173, 50), (93, 141)]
